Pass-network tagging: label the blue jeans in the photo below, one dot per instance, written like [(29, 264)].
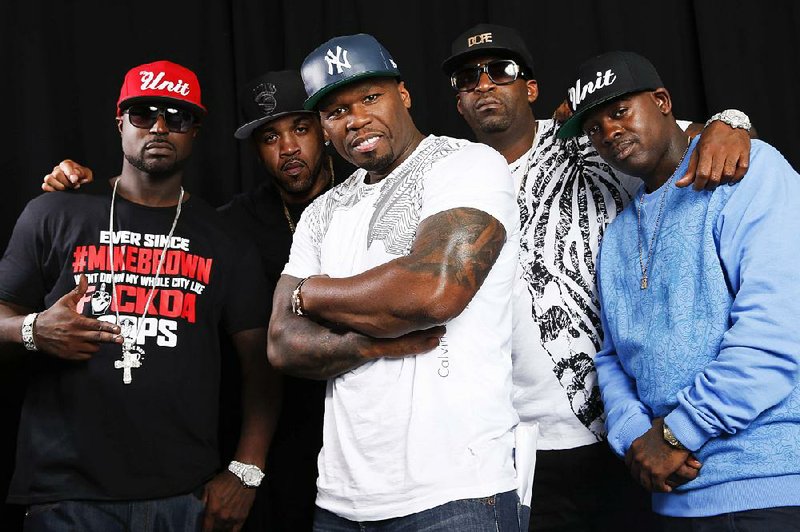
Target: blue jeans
[(183, 513), (497, 513), (780, 519)]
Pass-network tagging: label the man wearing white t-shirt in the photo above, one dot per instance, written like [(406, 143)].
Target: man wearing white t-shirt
[(567, 195), (418, 430)]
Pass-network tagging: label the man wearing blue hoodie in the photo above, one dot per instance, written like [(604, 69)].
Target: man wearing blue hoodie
[(701, 358)]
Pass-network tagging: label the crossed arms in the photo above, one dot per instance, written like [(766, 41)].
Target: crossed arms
[(392, 310)]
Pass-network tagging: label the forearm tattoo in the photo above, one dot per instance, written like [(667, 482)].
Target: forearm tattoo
[(331, 354)]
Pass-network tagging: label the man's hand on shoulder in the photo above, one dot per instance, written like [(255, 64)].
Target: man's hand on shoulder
[(722, 156), (67, 175), (562, 112)]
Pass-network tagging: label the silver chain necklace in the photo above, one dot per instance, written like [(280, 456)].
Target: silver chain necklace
[(645, 265), (132, 353)]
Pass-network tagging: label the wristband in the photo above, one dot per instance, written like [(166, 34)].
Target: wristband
[(27, 331)]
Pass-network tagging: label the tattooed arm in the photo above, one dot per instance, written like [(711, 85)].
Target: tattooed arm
[(450, 258), (305, 348)]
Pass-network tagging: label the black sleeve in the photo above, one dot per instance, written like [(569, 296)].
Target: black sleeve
[(248, 301), (22, 278)]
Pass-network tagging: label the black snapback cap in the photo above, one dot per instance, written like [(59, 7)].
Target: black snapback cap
[(487, 38), (603, 78), (270, 96)]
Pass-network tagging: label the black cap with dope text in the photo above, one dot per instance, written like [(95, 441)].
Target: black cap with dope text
[(488, 38)]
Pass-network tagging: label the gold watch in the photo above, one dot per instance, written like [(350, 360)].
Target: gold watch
[(670, 438)]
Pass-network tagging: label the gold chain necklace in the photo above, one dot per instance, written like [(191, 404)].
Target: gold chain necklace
[(288, 216), (645, 265), (286, 212)]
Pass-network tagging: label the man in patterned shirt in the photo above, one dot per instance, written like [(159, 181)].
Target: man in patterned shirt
[(567, 196)]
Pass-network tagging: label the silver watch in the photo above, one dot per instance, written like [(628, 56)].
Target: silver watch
[(27, 331), (733, 118), (250, 475)]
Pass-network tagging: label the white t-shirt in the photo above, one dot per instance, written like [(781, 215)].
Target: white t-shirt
[(567, 197), (404, 435)]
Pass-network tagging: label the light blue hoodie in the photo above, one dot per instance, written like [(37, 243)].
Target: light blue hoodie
[(713, 344)]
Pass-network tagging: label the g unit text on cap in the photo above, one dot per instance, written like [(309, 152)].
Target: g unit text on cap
[(161, 81), (603, 78), (269, 97), (343, 60), (488, 38)]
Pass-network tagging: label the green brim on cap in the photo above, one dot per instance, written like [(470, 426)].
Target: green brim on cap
[(572, 127), (311, 102)]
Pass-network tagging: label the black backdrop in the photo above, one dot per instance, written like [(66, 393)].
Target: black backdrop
[(63, 62)]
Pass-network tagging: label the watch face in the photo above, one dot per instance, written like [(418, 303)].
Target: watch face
[(251, 476)]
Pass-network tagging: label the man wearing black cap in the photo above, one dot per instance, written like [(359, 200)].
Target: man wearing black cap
[(701, 359), (416, 238), (566, 197), (119, 425), (289, 142)]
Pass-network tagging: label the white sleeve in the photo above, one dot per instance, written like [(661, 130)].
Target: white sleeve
[(476, 176)]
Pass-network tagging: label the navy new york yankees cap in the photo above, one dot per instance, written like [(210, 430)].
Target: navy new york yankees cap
[(343, 60)]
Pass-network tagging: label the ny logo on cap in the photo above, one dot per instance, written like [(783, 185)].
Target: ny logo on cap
[(481, 38), (340, 60), (152, 82), (264, 97)]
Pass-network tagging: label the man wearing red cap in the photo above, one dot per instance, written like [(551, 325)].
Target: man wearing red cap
[(289, 142), (119, 425)]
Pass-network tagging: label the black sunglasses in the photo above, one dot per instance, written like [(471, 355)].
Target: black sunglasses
[(177, 120), (500, 72)]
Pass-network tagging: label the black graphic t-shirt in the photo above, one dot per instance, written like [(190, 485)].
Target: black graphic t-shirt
[(145, 425)]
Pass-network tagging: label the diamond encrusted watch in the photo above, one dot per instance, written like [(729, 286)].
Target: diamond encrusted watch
[(732, 117), (27, 331), (250, 475), (670, 438)]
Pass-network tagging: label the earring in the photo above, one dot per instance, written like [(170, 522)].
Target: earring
[(327, 143)]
